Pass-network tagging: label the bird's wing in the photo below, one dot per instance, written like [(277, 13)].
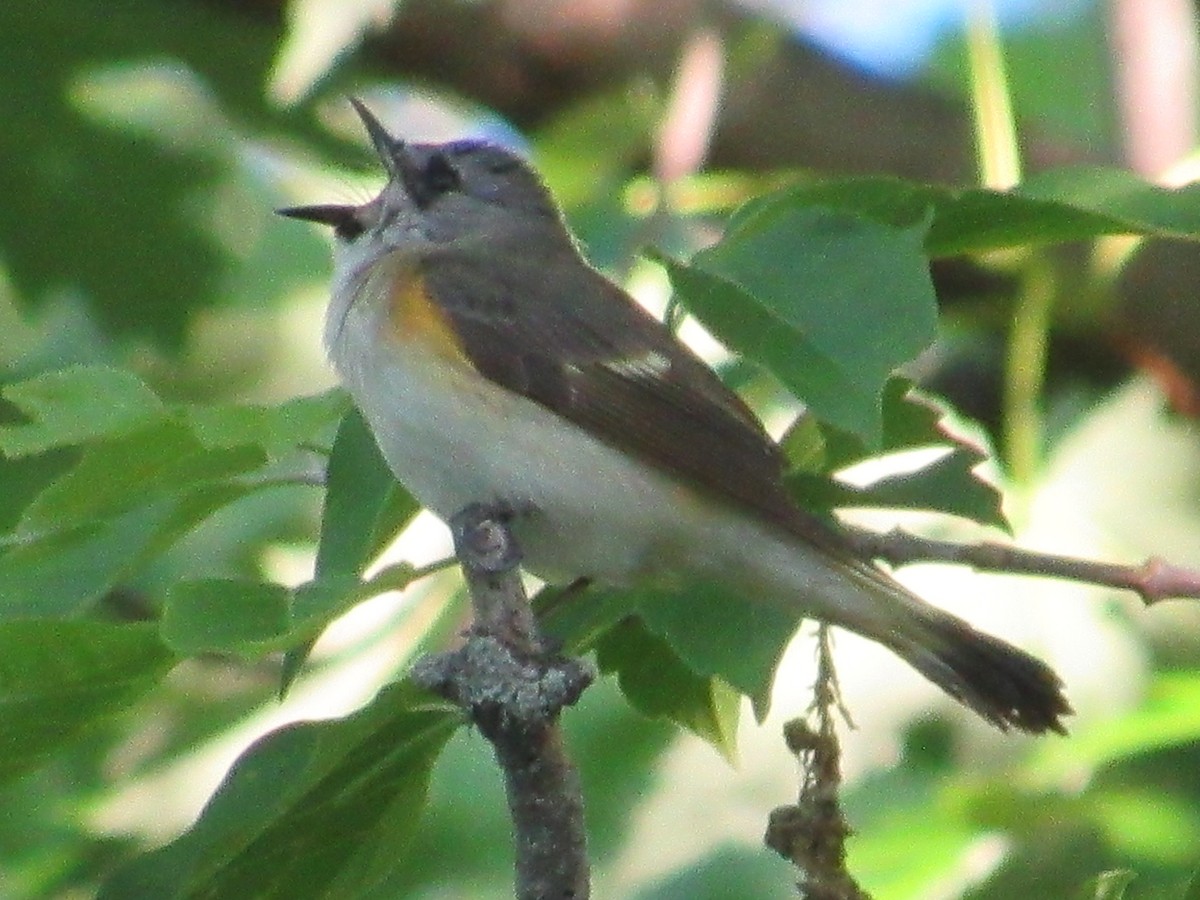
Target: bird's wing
[(562, 335)]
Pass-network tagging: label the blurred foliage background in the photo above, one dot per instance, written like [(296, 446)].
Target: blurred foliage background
[(145, 144)]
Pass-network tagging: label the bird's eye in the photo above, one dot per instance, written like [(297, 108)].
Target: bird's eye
[(440, 175)]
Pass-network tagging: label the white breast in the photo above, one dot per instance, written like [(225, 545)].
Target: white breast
[(453, 438)]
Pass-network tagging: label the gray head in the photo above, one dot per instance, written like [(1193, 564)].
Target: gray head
[(438, 193)]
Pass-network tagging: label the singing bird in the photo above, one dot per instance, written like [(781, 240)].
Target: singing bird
[(494, 365)]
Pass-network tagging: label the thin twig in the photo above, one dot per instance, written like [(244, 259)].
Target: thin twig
[(1153, 580), (513, 690), (812, 833)]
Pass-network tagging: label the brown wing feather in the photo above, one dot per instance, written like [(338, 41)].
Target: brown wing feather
[(559, 333)]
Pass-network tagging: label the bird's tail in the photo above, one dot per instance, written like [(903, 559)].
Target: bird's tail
[(1007, 686), (1003, 684)]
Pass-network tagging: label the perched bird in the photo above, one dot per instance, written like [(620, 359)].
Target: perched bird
[(495, 365)]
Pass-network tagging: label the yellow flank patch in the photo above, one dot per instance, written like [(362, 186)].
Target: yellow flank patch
[(415, 318)]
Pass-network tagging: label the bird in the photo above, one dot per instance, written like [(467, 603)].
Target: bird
[(495, 365)]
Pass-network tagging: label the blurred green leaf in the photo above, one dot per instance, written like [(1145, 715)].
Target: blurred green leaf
[(143, 479), (658, 684), (1060, 77), (316, 603), (907, 843), (591, 145), (277, 429), (140, 241), (1169, 716), (23, 479), (1108, 885), (64, 571), (58, 678), (317, 809), (1143, 207), (131, 470), (1168, 826), (726, 871), (1192, 891), (225, 615), (251, 618), (1051, 207), (74, 405)]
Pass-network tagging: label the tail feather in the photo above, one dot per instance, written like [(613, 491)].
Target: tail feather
[(1008, 687), (819, 574)]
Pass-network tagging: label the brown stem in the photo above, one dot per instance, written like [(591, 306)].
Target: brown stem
[(513, 690), (1153, 580)]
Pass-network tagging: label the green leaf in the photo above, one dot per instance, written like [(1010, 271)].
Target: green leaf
[(23, 479), (1142, 207), (58, 678), (708, 631), (1192, 891), (577, 617), (319, 809), (141, 225), (132, 469), (658, 684), (1051, 207), (225, 615), (186, 510), (318, 602), (74, 405), (718, 634), (745, 327), (276, 429), (804, 291), (948, 484), (365, 507), (252, 618), (65, 572), (714, 633), (978, 221), (593, 143), (726, 870), (913, 420)]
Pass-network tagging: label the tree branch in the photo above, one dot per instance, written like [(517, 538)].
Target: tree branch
[(513, 690), (1153, 580)]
